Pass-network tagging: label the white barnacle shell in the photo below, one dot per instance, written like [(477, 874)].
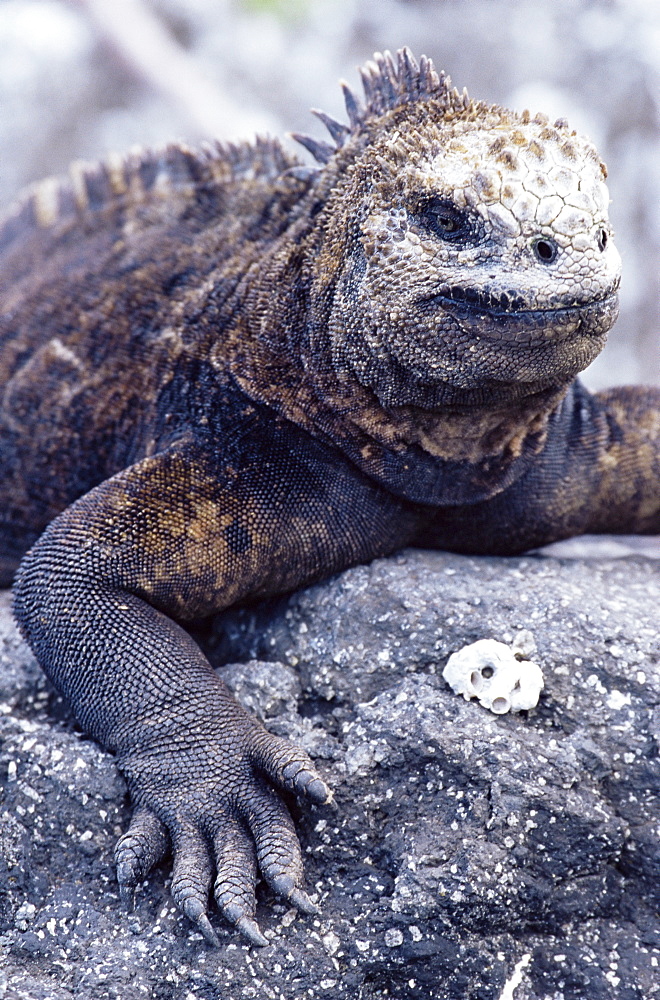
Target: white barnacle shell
[(491, 672)]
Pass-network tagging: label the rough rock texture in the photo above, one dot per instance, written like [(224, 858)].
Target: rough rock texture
[(469, 855)]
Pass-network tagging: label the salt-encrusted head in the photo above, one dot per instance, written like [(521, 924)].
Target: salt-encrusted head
[(477, 242)]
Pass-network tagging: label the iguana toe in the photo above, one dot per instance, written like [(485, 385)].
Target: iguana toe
[(291, 768), (143, 845)]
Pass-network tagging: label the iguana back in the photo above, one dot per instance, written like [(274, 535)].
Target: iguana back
[(104, 280)]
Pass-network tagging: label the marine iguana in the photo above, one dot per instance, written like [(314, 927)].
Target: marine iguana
[(228, 374)]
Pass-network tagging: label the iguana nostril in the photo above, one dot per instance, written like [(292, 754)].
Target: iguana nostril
[(602, 239), (545, 250)]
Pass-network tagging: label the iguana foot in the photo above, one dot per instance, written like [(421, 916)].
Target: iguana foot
[(231, 824)]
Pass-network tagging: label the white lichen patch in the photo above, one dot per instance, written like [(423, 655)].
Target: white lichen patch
[(491, 672)]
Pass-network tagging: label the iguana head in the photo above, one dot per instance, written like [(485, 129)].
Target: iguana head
[(476, 246)]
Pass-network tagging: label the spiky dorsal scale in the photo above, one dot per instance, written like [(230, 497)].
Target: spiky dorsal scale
[(173, 171), (389, 82), (338, 130), (354, 107), (320, 150), (392, 82)]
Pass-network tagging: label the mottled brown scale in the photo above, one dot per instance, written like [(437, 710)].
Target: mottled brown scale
[(497, 146), (537, 149), (227, 374), (508, 158)]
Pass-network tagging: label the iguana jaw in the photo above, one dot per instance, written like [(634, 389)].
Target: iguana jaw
[(489, 316)]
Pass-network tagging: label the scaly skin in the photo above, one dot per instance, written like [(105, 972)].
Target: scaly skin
[(227, 375)]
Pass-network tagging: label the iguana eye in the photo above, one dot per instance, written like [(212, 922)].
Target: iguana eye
[(446, 223), (444, 219)]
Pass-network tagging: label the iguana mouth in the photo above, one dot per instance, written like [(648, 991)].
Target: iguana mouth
[(506, 316)]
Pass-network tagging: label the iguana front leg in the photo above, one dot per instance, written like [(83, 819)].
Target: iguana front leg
[(628, 460), (599, 472), (175, 535)]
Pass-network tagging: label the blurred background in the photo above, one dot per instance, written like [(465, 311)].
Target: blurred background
[(79, 78)]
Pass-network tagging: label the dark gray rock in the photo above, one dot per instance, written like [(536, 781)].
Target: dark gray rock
[(469, 856)]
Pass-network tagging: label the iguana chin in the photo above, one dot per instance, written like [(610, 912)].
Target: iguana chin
[(227, 374)]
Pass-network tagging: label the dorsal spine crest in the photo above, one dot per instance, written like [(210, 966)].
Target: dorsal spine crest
[(388, 82), (176, 167)]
